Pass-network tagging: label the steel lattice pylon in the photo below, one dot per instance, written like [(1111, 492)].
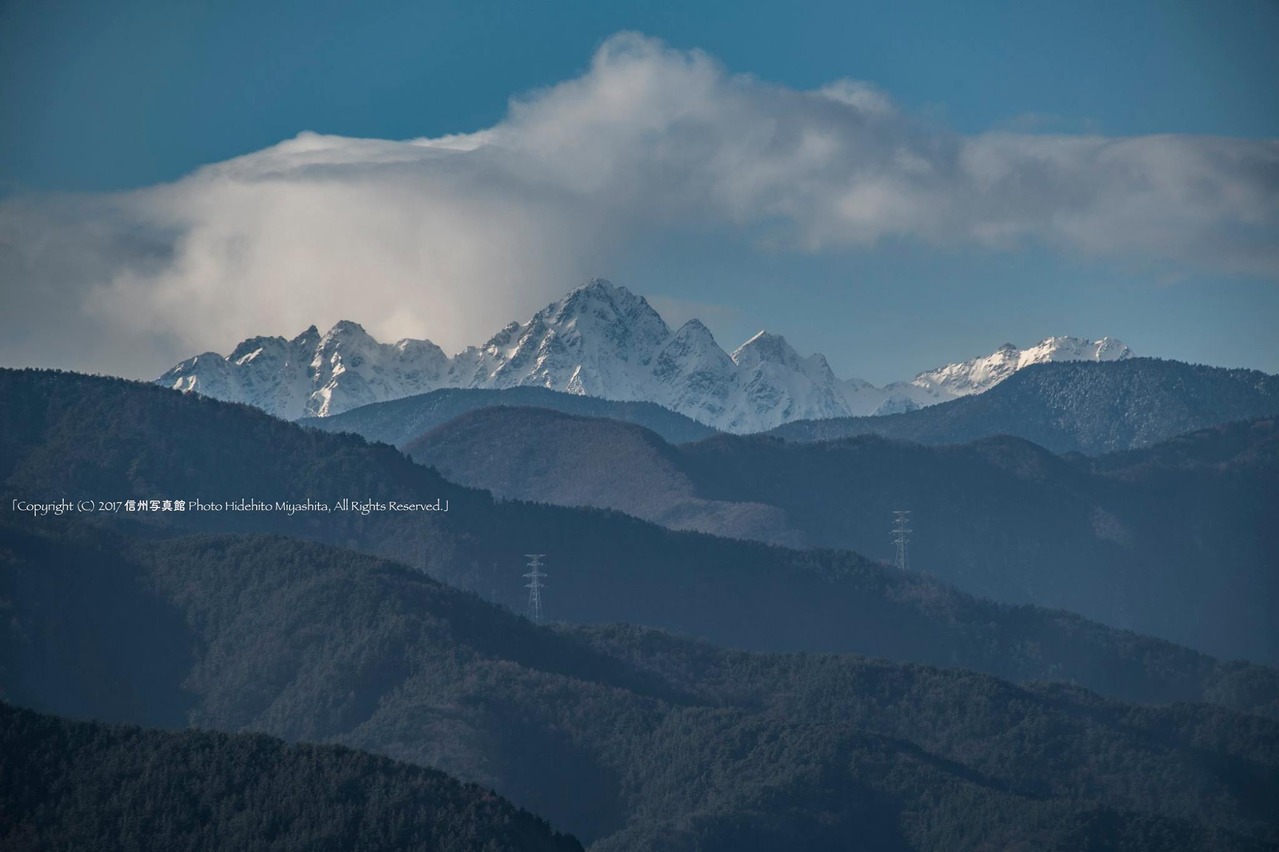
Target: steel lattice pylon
[(534, 586), (901, 536)]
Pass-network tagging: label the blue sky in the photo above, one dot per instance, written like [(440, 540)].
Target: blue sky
[(114, 95), (100, 98)]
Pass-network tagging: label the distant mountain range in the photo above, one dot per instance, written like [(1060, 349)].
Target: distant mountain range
[(600, 340), (1075, 407), (631, 739), (83, 437), (1065, 407), (1178, 541)]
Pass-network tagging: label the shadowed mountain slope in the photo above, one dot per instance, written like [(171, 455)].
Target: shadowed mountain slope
[(1179, 540), (75, 785), (629, 738), (400, 421), (65, 435)]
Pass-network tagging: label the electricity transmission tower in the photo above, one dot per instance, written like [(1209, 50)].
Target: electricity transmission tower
[(901, 537), (534, 586)]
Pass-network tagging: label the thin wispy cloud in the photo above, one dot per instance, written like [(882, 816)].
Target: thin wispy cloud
[(451, 237)]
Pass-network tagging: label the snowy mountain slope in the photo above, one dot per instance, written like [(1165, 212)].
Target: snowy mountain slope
[(974, 376), (313, 375), (981, 374), (693, 375), (596, 341), (1074, 406), (777, 384), (599, 340)]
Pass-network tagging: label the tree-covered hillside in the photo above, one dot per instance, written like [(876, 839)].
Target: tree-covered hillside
[(1179, 540), (76, 785), (65, 435), (628, 738), (1075, 406), (401, 420)]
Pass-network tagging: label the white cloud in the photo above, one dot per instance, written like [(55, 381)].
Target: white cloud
[(451, 237)]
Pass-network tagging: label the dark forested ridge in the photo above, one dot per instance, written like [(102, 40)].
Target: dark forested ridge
[(1075, 406), (1179, 540), (401, 420), (630, 739), (67, 435), (545, 456), (76, 785)]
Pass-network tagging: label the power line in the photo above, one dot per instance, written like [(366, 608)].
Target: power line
[(534, 586)]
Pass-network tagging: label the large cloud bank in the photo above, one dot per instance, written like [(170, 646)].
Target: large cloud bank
[(451, 237)]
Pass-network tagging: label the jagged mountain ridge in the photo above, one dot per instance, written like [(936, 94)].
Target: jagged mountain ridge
[(600, 340)]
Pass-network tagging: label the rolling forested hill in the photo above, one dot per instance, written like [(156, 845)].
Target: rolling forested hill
[(628, 738), (1179, 540), (401, 420), (77, 785), (78, 437)]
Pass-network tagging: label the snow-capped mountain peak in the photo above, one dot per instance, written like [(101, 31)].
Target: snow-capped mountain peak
[(601, 340), (313, 374), (1073, 349), (692, 347), (974, 375), (779, 385), (308, 339), (765, 346), (693, 375), (604, 320), (981, 374), (594, 341)]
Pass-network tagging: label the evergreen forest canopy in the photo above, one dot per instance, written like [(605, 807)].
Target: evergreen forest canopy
[(1125, 538), (75, 785), (625, 737)]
